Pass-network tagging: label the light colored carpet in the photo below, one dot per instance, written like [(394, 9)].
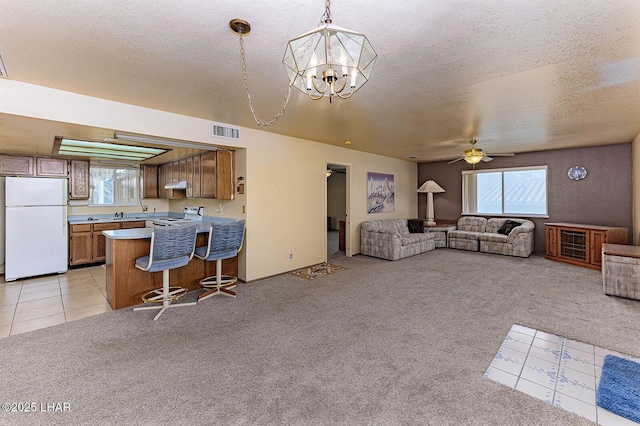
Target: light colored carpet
[(381, 342)]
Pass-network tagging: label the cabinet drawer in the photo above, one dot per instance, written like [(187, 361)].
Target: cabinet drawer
[(85, 227), (133, 224), (106, 226)]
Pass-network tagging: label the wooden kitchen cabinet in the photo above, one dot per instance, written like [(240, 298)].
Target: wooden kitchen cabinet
[(79, 180), (133, 224), (196, 177), (208, 179), (225, 175), (580, 244), (87, 244), (149, 181), (98, 252), (80, 244), (162, 180), (193, 176), (14, 165), (52, 167), (208, 175), (218, 177)]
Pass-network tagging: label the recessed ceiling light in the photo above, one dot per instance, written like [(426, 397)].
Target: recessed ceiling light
[(347, 142)]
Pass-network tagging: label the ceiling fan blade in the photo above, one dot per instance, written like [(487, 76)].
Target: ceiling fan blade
[(502, 155), (486, 159), (457, 159)]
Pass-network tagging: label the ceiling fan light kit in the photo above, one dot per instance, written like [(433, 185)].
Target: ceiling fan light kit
[(474, 155), (327, 61)]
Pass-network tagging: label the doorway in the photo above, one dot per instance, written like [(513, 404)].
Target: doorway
[(338, 210)]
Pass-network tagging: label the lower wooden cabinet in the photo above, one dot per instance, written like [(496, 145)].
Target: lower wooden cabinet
[(80, 244), (88, 245), (580, 244)]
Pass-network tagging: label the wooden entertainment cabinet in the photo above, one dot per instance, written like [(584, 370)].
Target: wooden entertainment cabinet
[(581, 244)]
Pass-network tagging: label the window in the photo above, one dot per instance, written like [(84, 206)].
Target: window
[(518, 191), (114, 185)]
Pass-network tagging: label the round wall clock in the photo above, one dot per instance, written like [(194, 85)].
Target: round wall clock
[(577, 173)]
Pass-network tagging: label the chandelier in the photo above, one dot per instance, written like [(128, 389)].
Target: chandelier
[(329, 60), (325, 62)]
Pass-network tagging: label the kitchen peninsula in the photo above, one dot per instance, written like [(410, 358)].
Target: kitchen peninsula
[(126, 284)]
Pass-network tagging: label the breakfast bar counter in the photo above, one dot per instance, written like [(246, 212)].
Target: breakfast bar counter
[(126, 284)]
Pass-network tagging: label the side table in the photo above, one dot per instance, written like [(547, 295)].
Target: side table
[(441, 233)]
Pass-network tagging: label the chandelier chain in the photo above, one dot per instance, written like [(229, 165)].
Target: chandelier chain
[(260, 122), (326, 17)]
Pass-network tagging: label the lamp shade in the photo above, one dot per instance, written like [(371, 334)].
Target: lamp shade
[(430, 186)]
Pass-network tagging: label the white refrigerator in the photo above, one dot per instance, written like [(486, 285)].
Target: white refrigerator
[(36, 239)]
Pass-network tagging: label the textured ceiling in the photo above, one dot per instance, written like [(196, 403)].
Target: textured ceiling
[(519, 75)]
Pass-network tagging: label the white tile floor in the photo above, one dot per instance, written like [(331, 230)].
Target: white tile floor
[(30, 304), (555, 369)]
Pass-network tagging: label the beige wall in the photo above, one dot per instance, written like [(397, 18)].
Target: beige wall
[(285, 177)]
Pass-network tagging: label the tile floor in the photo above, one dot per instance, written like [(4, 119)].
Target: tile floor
[(558, 370), (30, 304)]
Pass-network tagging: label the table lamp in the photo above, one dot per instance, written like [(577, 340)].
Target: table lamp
[(430, 187)]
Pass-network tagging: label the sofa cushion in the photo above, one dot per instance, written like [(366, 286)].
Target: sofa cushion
[(464, 235), (472, 223), (414, 238), (415, 225), (496, 238), (388, 226), (507, 227)]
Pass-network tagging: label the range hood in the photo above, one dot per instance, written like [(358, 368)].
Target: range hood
[(176, 185)]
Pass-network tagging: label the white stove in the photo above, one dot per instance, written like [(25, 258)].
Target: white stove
[(191, 214)]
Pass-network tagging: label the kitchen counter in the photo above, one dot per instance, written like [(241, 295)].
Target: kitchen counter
[(138, 233), (76, 220), (126, 284)]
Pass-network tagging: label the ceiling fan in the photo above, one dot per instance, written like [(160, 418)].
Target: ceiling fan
[(474, 155)]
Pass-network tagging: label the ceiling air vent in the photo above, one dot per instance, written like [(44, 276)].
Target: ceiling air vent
[(225, 131), (3, 69)]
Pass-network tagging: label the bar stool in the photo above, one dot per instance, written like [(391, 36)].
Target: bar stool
[(225, 242), (171, 247)]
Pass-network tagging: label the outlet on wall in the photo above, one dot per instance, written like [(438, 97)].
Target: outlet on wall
[(145, 208), (290, 255), (74, 210)]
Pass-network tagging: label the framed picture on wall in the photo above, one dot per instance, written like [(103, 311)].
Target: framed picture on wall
[(380, 193)]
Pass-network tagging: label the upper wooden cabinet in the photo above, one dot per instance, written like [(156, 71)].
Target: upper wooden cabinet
[(16, 165), (208, 181), (79, 180), (225, 175), (52, 167), (208, 175), (217, 175), (149, 181)]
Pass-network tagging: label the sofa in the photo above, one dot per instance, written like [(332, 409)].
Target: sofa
[(390, 239), (481, 234)]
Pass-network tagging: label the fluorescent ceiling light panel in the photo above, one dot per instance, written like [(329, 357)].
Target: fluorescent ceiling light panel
[(164, 142), (107, 150)]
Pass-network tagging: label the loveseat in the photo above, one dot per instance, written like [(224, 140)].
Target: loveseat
[(390, 239), (500, 235)]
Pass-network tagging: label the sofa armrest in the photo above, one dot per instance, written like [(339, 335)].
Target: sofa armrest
[(525, 228)]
